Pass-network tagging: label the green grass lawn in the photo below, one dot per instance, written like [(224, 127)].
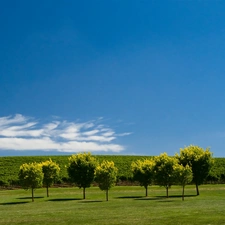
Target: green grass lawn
[(126, 205)]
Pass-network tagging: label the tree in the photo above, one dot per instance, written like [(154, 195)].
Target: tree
[(31, 176), (51, 173), (199, 160), (105, 176), (81, 170), (183, 176), (143, 172), (164, 170)]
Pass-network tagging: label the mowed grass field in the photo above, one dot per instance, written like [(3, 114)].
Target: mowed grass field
[(126, 205)]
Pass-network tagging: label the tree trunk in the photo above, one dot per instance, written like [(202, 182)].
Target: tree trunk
[(107, 195), (183, 193), (47, 191), (167, 192), (146, 191), (196, 184), (84, 193), (32, 191)]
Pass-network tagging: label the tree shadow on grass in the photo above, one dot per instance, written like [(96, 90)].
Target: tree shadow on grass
[(149, 198), (30, 197), (90, 201), (177, 196), (123, 197), (13, 203), (169, 199), (63, 199)]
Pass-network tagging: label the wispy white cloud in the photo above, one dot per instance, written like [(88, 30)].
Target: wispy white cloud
[(12, 120), (92, 132), (124, 134), (25, 133), (108, 133)]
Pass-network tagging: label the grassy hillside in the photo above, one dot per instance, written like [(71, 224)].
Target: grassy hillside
[(9, 166)]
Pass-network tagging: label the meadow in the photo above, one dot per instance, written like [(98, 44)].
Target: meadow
[(126, 205)]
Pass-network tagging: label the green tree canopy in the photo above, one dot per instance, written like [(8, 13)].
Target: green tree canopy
[(183, 175), (143, 172), (199, 160), (164, 170), (105, 176), (81, 170), (31, 176), (51, 173)]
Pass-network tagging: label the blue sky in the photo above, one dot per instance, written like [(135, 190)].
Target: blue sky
[(111, 77)]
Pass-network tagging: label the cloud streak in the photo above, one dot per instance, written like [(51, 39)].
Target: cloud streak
[(24, 133)]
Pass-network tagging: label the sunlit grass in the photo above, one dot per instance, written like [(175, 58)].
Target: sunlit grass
[(126, 205)]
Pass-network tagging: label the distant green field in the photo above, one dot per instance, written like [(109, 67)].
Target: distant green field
[(126, 205), (9, 166)]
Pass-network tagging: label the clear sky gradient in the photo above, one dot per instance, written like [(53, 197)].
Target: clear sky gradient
[(111, 77)]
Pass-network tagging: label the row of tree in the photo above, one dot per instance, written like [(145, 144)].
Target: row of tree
[(191, 165), (34, 175), (82, 170)]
